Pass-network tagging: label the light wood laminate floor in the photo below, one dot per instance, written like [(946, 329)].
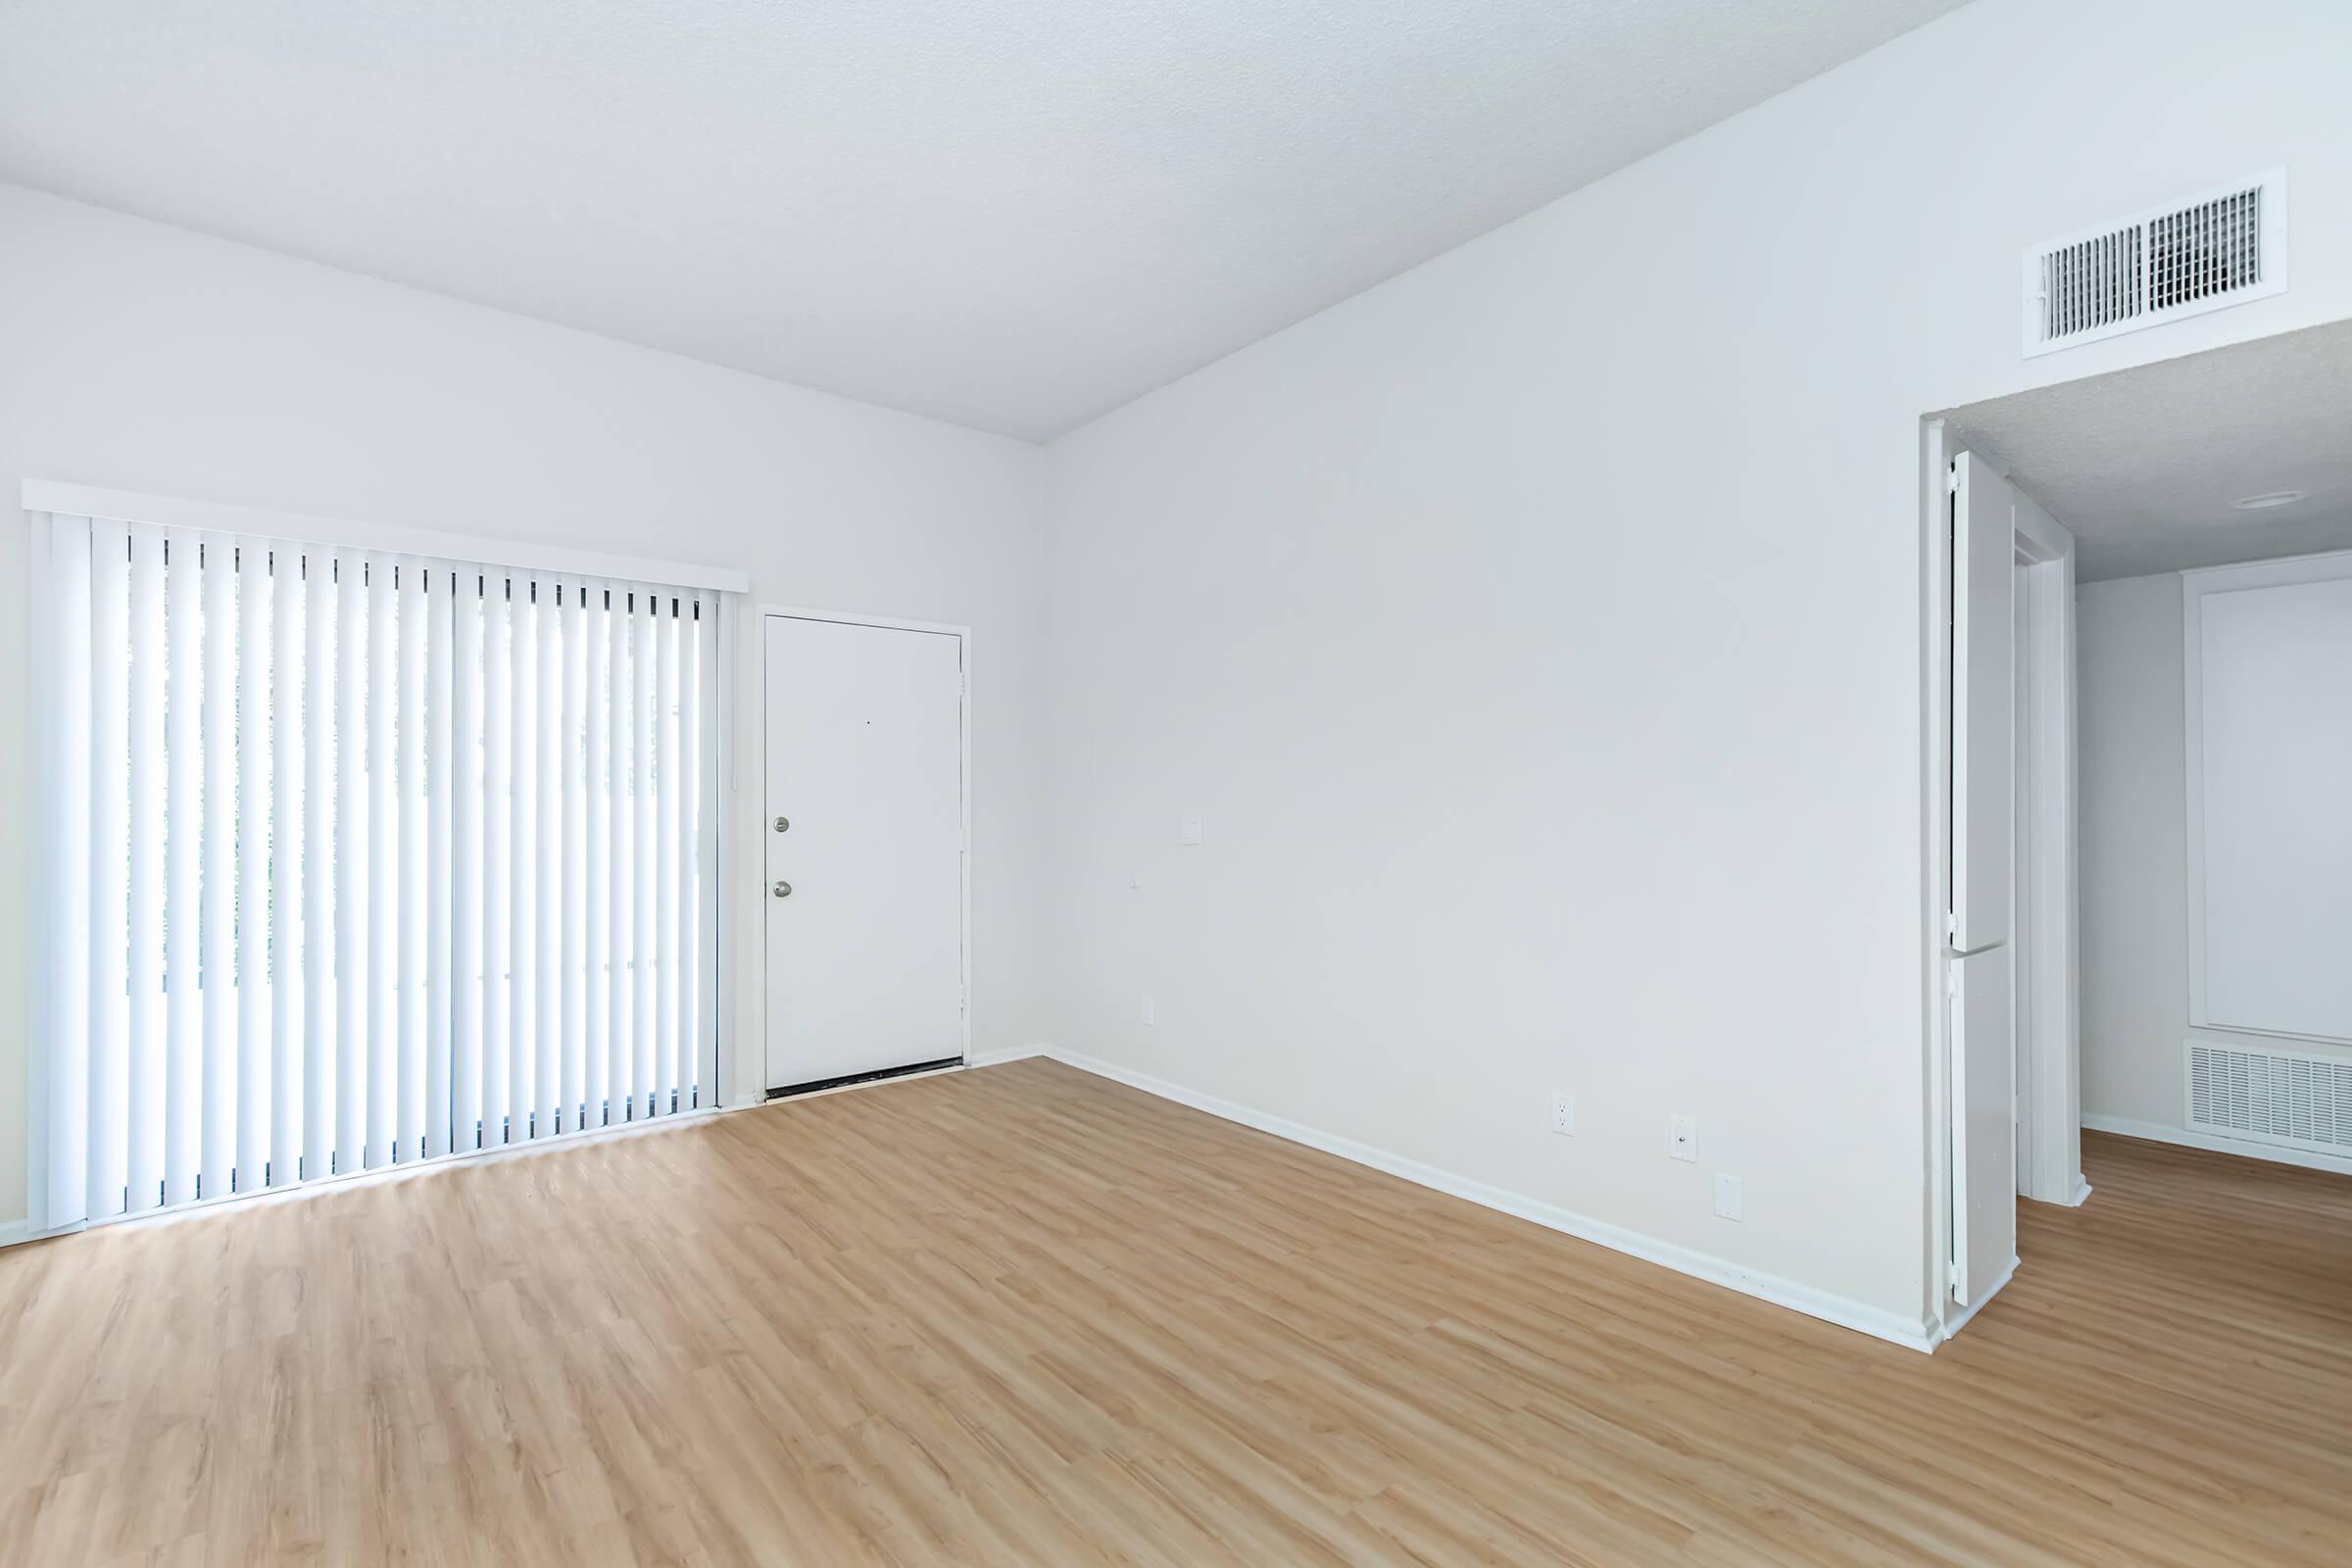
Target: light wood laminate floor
[(1023, 1316)]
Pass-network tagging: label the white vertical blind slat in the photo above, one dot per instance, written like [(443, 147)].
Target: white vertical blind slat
[(596, 859), (70, 1018), (668, 864), (414, 861), (182, 822), (466, 860), (547, 819), (112, 727), (522, 846), (256, 1002), (353, 802), (574, 854), (439, 627), (498, 868), (321, 941), (289, 857), (144, 1178), (381, 679), (216, 869), (644, 941), (620, 1051)]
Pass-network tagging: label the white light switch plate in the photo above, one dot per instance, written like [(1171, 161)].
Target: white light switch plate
[(1151, 1012), (1727, 1197), (1194, 831)]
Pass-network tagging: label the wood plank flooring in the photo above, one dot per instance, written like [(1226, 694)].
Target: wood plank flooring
[(1023, 1316)]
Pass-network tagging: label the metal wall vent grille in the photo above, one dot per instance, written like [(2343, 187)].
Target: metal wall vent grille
[(2222, 248), (2272, 1096)]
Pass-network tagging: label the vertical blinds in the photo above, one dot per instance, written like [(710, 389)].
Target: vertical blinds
[(356, 858)]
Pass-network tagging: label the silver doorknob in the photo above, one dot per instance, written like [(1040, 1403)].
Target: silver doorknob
[(783, 890), (783, 823)]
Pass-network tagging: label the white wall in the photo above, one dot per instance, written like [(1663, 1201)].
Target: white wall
[(2135, 873), (146, 357), (1538, 633)]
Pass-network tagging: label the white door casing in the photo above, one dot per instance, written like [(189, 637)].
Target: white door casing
[(2023, 848), (1982, 1087), (1984, 633), (2045, 938)]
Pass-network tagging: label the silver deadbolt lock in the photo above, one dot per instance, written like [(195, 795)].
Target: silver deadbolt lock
[(783, 823), (783, 890)]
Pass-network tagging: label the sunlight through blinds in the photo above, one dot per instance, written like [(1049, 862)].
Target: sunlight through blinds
[(355, 858)]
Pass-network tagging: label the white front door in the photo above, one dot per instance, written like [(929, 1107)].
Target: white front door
[(1983, 1064), (864, 849)]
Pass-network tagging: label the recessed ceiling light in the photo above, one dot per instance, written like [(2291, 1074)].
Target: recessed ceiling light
[(2267, 499)]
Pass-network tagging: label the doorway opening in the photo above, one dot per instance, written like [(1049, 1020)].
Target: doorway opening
[(2140, 585)]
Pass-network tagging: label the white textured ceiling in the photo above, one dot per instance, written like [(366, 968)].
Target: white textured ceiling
[(1012, 214), (2144, 464)]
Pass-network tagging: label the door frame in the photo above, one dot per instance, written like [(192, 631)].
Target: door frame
[(1938, 445), (1946, 976), (1935, 445), (2045, 929), (964, 790)]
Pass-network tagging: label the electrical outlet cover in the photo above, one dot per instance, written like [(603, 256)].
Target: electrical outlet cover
[(1563, 1113)]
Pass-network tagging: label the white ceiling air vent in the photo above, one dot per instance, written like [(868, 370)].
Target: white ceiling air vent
[(2272, 1096), (2222, 248)]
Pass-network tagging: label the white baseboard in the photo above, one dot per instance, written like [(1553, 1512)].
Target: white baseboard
[(1918, 1334), (12, 1232), (1953, 1325), (992, 1059), (2159, 1133), (2082, 1190), (17, 1232), (406, 1171)]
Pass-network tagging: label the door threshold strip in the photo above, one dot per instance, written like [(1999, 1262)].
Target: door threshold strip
[(851, 1080)]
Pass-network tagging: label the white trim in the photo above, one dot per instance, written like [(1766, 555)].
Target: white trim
[(1845, 1312), (1954, 1323), (844, 618), (2327, 566), (1937, 447), (727, 831), (963, 788), (2048, 895), (2158, 1133), (2192, 712), (125, 505), (2320, 566), (405, 1171), (15, 1232), (996, 1059), (2082, 1193), (44, 870), (18, 1232), (2044, 536)]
